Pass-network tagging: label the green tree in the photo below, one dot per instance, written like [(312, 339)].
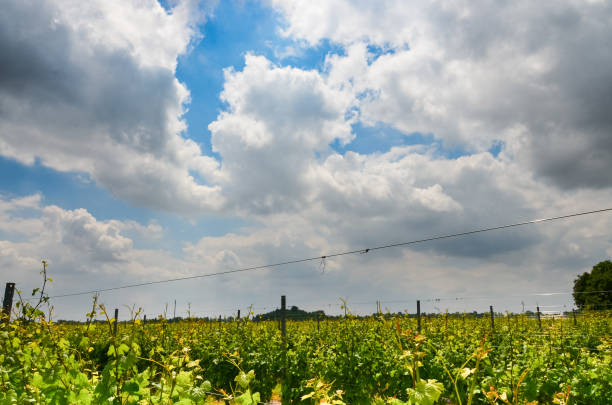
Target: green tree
[(594, 290)]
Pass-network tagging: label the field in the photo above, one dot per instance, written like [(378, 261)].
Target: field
[(456, 359)]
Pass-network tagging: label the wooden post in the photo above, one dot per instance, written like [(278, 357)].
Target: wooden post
[(282, 316), (238, 317), (419, 316), (446, 323), (219, 323), (318, 319), (144, 319), (539, 320), (116, 320), (7, 303), (574, 314), (492, 318)]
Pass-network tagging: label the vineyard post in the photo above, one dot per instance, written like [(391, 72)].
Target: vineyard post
[(283, 320), (115, 321), (539, 320), (492, 318), (574, 314), (516, 320), (144, 320), (419, 316), (238, 317), (219, 322), (7, 303), (446, 323)]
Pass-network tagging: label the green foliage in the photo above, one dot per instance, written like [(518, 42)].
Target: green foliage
[(594, 290), (380, 360), (350, 361)]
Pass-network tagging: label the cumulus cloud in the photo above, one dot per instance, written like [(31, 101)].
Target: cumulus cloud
[(275, 138), (277, 121), (475, 73), (352, 200), (91, 88), (62, 236), (86, 91)]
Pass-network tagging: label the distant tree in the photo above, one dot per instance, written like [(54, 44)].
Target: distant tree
[(594, 290)]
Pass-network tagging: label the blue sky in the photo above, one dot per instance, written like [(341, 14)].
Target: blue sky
[(233, 29), (330, 130)]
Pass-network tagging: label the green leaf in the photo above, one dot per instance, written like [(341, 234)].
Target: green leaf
[(183, 379), (131, 387), (37, 380), (84, 343), (193, 363), (466, 372), (307, 396), (122, 349), (247, 398), (426, 392), (242, 379), (206, 386)]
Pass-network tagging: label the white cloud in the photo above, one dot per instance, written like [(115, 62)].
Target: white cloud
[(277, 120), (383, 22), (83, 252), (472, 73), (63, 236), (91, 88), (100, 96)]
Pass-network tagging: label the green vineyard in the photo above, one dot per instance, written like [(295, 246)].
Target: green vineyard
[(456, 359)]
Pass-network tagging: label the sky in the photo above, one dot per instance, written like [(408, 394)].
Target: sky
[(142, 141)]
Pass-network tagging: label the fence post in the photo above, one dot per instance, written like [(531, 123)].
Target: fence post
[(492, 318), (282, 316), (144, 320), (539, 320), (238, 317), (446, 322), (7, 303), (115, 323), (574, 314), (419, 316)]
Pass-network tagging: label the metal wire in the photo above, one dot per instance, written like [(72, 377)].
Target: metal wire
[(338, 254)]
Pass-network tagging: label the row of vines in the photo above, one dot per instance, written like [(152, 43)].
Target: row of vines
[(454, 360)]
